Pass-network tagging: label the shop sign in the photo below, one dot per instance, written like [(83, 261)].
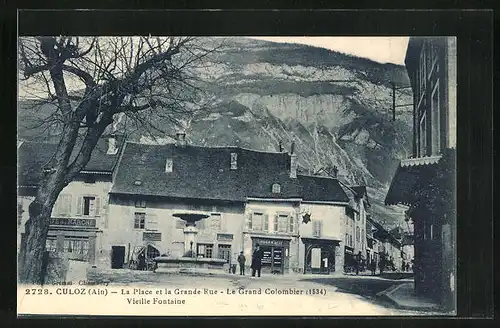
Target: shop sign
[(72, 222), (271, 242), (225, 237), (151, 236)]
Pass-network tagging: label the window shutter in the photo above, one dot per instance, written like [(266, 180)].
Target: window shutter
[(249, 221), (265, 224), (151, 222), (79, 206), (276, 218), (69, 200), (97, 206)]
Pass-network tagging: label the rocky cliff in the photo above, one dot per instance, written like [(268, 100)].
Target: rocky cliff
[(336, 107)]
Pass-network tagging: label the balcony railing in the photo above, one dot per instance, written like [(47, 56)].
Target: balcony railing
[(75, 222)]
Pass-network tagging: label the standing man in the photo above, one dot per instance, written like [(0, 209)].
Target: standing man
[(241, 261), (257, 260)]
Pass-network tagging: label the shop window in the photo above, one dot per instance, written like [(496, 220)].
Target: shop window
[(205, 250), (140, 203), (224, 252), (76, 245), (139, 220), (51, 244)]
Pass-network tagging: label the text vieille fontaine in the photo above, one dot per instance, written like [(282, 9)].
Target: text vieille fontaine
[(199, 291)]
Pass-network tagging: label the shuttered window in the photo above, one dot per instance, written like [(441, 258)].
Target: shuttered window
[(88, 206), (258, 221), (151, 222)]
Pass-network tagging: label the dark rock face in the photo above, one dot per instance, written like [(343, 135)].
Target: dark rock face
[(336, 107)]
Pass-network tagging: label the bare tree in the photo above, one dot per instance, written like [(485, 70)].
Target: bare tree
[(88, 82)]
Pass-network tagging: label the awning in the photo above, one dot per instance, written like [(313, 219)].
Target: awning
[(410, 172)]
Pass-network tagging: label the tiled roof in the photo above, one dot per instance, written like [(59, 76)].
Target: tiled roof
[(321, 189), (33, 157), (205, 173)]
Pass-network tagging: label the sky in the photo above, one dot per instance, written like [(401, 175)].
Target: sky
[(379, 49)]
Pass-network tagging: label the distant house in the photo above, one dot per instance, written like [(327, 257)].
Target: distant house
[(425, 182), (355, 235), (251, 197), (79, 214)]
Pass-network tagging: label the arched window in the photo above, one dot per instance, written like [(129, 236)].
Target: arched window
[(276, 188), (152, 252)]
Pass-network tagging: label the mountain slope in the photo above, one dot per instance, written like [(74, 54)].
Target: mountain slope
[(336, 107)]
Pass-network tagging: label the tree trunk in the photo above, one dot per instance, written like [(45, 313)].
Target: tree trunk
[(30, 264)]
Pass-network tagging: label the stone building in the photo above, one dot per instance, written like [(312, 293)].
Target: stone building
[(425, 182), (251, 198), (79, 214), (125, 200)]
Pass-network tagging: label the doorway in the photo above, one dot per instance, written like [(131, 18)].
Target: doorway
[(272, 261), (117, 257)]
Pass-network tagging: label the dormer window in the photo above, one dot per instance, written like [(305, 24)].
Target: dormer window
[(234, 161), (169, 165), (276, 188)]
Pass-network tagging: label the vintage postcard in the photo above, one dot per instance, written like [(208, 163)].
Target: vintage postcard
[(236, 176)]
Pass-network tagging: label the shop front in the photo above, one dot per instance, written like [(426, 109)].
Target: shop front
[(275, 254), (319, 255), (75, 238), (349, 260)]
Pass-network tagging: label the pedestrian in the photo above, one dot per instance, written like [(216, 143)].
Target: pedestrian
[(373, 267), (357, 262), (257, 260), (241, 261), (403, 266), (142, 262)]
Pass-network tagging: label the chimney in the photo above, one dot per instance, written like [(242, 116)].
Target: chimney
[(112, 149), (280, 146), (293, 162), (335, 172), (180, 139)]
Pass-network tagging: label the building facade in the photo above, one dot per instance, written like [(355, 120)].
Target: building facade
[(425, 182), (79, 215), (251, 198), (126, 200)]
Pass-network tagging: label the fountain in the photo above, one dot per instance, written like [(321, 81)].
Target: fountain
[(189, 262)]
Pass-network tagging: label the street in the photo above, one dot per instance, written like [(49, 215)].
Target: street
[(345, 295)]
